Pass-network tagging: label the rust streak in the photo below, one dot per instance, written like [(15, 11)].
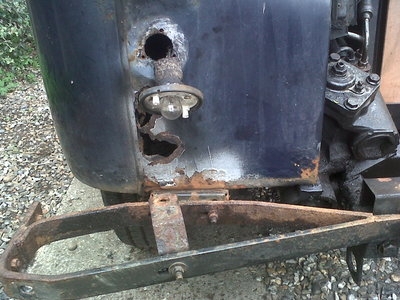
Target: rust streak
[(311, 173)]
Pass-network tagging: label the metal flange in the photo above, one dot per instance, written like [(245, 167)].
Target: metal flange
[(163, 100)]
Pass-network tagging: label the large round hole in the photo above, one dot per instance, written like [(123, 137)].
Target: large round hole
[(158, 46)]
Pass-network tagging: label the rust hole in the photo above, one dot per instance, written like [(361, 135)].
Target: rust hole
[(161, 148), (158, 46), (143, 118), (157, 147)]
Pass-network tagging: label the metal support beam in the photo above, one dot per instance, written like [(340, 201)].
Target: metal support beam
[(311, 230), (168, 225)]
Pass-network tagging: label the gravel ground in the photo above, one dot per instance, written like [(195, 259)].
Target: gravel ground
[(34, 169)]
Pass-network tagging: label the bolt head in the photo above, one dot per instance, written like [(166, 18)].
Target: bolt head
[(351, 103), (15, 264), (177, 269), (213, 217), (373, 79), (334, 57)]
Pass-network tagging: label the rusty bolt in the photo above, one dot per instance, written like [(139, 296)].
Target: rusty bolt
[(177, 269), (373, 79), (15, 264), (359, 87), (340, 69), (213, 216), (334, 57)]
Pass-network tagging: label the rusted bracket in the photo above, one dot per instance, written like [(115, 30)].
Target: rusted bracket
[(310, 230), (168, 225)]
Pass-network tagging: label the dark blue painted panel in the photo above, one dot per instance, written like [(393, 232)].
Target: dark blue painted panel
[(260, 64)]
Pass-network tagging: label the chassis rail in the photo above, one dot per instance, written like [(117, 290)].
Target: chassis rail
[(310, 230)]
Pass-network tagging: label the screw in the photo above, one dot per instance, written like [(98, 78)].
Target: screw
[(213, 216), (340, 69), (15, 264), (334, 57), (177, 269), (373, 79), (359, 87)]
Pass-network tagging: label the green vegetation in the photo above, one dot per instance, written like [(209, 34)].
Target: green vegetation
[(17, 49)]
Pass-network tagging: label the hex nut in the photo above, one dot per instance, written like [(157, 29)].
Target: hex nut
[(340, 69), (15, 264), (213, 217), (177, 269), (373, 79)]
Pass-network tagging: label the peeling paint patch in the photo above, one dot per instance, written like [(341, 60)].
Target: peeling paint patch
[(141, 64), (176, 177), (198, 181), (311, 173)]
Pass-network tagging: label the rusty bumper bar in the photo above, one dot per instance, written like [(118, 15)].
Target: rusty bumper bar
[(311, 230)]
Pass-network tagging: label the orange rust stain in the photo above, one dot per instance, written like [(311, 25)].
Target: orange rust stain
[(196, 182), (132, 56), (194, 196), (199, 181), (311, 173), (42, 240)]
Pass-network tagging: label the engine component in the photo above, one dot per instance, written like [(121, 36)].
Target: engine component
[(354, 102), (376, 134), (349, 90)]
